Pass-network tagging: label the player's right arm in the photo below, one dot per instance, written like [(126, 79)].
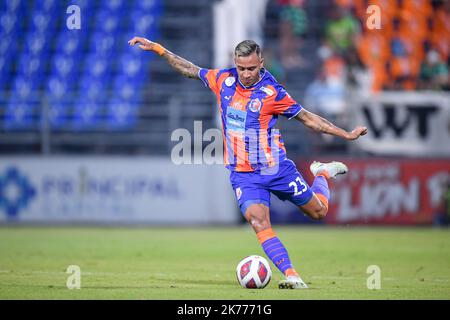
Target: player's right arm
[(319, 124), (181, 65)]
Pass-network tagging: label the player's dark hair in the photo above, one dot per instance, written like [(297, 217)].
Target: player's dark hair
[(246, 48)]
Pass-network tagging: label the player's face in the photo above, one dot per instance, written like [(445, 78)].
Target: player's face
[(248, 68)]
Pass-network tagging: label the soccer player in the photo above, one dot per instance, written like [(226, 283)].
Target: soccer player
[(250, 101)]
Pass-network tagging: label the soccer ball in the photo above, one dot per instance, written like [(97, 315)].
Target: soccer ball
[(253, 272)]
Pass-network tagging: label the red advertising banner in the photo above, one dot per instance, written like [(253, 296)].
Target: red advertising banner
[(386, 191)]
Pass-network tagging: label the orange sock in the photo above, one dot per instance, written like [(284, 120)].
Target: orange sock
[(275, 251), (265, 235), (291, 272), (324, 174)]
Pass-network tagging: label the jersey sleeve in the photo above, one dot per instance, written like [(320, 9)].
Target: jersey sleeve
[(284, 104), (209, 78)]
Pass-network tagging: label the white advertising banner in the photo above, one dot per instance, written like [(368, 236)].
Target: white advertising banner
[(114, 190), (404, 123)]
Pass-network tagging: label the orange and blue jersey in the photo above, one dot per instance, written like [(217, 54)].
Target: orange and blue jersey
[(248, 116)]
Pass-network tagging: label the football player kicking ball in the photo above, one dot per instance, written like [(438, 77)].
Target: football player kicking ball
[(250, 101)]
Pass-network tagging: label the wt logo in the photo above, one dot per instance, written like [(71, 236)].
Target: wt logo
[(374, 280), (74, 20), (415, 114), (74, 280)]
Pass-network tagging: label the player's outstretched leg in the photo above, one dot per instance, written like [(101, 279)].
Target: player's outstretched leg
[(317, 207)]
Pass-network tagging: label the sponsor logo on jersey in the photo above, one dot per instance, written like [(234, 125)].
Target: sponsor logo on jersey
[(267, 91), (230, 81), (236, 120)]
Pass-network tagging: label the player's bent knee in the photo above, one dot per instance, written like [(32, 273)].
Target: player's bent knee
[(321, 213), (258, 223), (316, 213), (257, 217)]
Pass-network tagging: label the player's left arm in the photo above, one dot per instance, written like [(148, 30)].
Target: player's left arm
[(319, 124)]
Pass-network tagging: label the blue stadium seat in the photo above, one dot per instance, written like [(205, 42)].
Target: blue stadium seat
[(107, 22), (49, 7), (8, 56), (93, 88), (96, 65), (12, 5), (21, 114), (87, 114), (36, 43), (58, 113), (113, 5), (32, 65), (122, 114), (127, 88), (145, 23), (91, 77), (131, 65), (64, 65), (103, 43), (41, 22), (154, 6), (23, 87), (70, 42)]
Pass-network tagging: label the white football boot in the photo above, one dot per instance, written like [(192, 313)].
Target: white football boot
[(333, 168), (292, 282)]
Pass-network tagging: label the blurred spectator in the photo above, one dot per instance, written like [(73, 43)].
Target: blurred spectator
[(342, 31), (440, 29), (433, 72), (293, 25), (326, 96), (359, 77), (403, 65), (442, 213), (273, 64), (373, 51)]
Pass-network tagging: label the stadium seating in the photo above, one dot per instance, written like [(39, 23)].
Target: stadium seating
[(409, 28), (83, 79)]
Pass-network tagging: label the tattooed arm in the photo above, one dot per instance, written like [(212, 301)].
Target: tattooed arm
[(319, 124), (186, 68)]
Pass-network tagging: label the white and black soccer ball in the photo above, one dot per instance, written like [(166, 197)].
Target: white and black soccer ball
[(253, 272)]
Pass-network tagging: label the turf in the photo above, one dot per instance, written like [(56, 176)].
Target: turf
[(199, 263)]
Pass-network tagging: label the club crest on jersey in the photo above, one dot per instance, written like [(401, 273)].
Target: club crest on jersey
[(255, 105), (230, 81), (238, 193)]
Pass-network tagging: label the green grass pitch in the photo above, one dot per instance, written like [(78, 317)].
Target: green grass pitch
[(199, 263)]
